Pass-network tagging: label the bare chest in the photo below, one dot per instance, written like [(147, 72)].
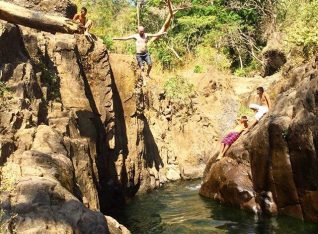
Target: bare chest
[(82, 20), (141, 40)]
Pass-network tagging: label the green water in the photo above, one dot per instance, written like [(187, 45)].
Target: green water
[(178, 208)]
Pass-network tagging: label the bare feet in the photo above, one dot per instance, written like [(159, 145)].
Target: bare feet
[(219, 157), (148, 77)]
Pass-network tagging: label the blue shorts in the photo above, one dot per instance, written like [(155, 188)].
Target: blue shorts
[(141, 57)]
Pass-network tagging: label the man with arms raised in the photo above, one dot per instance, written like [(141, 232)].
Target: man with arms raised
[(141, 47), (261, 110)]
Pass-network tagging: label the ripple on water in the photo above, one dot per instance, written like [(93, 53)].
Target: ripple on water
[(178, 208), (194, 187)]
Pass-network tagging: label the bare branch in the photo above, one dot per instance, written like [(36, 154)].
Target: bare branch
[(165, 26), (175, 52), (172, 12)]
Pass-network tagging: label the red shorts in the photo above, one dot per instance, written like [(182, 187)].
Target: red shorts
[(230, 138)]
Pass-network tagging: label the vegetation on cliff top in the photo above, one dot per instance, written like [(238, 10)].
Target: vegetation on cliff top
[(228, 34)]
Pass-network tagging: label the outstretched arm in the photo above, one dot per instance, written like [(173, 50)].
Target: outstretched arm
[(125, 38), (156, 35)]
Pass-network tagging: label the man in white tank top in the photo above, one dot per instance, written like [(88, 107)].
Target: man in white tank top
[(141, 48)]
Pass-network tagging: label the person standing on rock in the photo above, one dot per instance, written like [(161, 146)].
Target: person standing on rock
[(261, 110), (142, 51), (81, 18), (233, 136)]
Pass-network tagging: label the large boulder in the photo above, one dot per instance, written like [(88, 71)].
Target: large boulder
[(275, 165), (273, 54)]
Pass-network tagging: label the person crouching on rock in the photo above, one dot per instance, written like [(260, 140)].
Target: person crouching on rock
[(81, 18), (233, 136)]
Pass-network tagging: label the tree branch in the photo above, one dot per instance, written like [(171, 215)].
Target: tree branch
[(165, 26), (175, 52)]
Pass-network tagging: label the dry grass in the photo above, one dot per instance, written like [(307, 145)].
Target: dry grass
[(8, 177)]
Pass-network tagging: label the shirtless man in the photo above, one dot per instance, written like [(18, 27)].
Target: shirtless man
[(232, 136), (81, 18), (261, 110), (141, 47)]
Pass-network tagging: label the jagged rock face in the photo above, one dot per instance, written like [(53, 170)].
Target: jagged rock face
[(155, 141), (274, 167), (54, 132), (115, 138), (273, 55), (42, 199), (186, 137), (66, 8), (121, 139)]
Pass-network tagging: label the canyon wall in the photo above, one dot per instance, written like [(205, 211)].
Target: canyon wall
[(157, 141), (79, 133), (56, 124)]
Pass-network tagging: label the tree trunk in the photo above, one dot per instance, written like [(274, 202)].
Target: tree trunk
[(138, 13), (241, 62), (33, 19)]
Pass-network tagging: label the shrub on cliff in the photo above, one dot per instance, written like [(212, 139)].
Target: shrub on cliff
[(299, 23), (8, 177), (179, 90), (4, 89)]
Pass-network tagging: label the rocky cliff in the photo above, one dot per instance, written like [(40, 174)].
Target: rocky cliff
[(56, 123), (274, 167), (80, 134), (157, 141)]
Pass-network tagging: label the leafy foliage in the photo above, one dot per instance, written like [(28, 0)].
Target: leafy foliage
[(52, 80), (163, 54), (285, 134), (4, 89), (178, 87), (209, 55), (198, 69), (179, 90), (217, 26), (245, 111), (227, 34), (8, 177), (300, 27)]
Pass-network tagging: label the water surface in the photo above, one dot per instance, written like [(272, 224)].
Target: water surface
[(178, 208)]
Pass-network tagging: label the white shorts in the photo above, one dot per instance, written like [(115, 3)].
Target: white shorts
[(261, 110)]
